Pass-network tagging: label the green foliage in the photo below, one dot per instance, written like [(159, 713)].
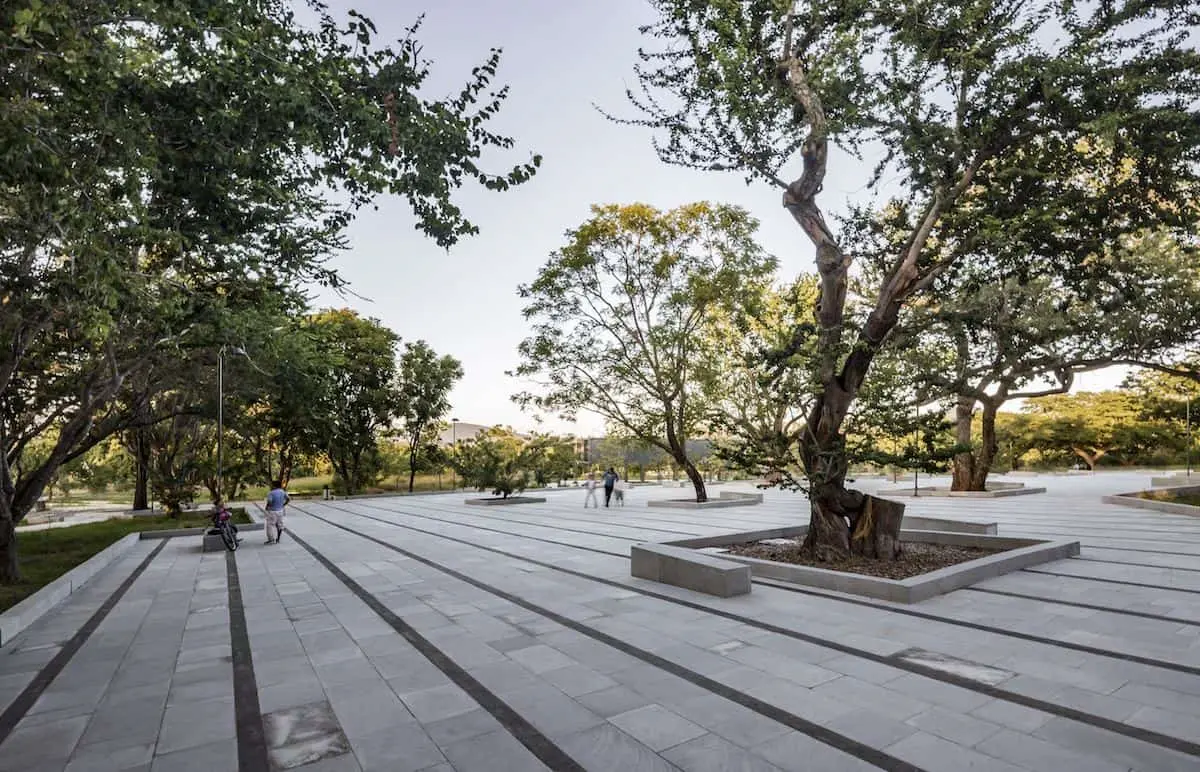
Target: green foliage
[(618, 317), (497, 460), (424, 384), (990, 117), (356, 400), (167, 166)]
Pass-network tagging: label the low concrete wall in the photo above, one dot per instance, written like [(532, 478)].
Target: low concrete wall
[(1020, 553), (725, 500), (33, 608), (498, 502), (172, 533), (1170, 507), (689, 569), (934, 492), (1174, 481), (942, 524)]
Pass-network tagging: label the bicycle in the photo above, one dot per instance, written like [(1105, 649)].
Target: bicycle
[(222, 521)]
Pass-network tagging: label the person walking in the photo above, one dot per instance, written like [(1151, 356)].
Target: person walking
[(277, 500), (610, 482), (590, 486)]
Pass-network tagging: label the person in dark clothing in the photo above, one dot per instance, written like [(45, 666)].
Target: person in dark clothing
[(610, 481)]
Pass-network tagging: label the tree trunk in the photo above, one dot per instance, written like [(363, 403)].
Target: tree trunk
[(987, 449), (964, 462), (141, 470), (842, 521), (10, 570), (697, 479)]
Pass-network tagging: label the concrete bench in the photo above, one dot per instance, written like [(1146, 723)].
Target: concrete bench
[(689, 569)]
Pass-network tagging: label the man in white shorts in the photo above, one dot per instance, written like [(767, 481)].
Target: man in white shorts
[(277, 500)]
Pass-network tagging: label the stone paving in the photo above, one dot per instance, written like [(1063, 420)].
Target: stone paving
[(407, 634)]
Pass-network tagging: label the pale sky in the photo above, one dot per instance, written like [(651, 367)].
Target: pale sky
[(559, 59)]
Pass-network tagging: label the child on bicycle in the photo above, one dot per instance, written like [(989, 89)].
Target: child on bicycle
[(221, 514)]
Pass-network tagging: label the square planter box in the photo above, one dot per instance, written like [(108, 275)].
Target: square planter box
[(1018, 553), (500, 502)]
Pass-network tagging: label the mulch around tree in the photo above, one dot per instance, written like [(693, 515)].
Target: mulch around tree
[(916, 558)]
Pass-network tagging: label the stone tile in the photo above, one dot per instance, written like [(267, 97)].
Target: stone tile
[(218, 756), (462, 726), (795, 752), (54, 741), (196, 723), (131, 722), (290, 694), (541, 658), (610, 702), (577, 680), (1114, 747), (606, 749), (429, 705), (937, 755), (871, 728), (955, 727), (656, 727), (505, 645), (490, 753), (111, 756), (710, 753), (370, 712), (1032, 753), (552, 712), (1012, 715), (303, 735)]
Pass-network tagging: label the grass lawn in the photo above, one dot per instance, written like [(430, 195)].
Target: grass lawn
[(47, 554)]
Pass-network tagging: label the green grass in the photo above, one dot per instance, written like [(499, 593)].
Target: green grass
[(47, 554)]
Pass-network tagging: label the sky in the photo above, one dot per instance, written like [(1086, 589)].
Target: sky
[(560, 60)]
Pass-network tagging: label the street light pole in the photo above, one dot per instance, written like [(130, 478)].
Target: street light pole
[(220, 421), (221, 415), (453, 445), (1189, 436)]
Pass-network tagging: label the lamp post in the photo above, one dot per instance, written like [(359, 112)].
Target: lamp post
[(453, 445), (221, 415), (1188, 452)]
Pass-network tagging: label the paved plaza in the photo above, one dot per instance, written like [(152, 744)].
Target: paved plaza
[(417, 633)]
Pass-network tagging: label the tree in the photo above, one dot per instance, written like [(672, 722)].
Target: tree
[(1005, 328), (958, 96), (158, 157), (618, 315), (496, 460), (555, 459), (358, 398), (424, 385), (1090, 425)]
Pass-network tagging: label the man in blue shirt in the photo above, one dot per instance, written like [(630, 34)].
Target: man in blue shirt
[(277, 499)]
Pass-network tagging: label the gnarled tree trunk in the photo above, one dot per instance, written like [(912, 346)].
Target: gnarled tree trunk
[(843, 521), (971, 467), (696, 478), (964, 462)]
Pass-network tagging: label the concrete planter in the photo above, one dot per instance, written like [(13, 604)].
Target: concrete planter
[(33, 608), (1170, 507), (1019, 553), (1173, 481), (724, 500), (501, 502), (995, 490)]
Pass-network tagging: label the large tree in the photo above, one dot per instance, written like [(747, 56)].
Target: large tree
[(1005, 328), (956, 95), (424, 383), (619, 313), (157, 154), (358, 400)]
